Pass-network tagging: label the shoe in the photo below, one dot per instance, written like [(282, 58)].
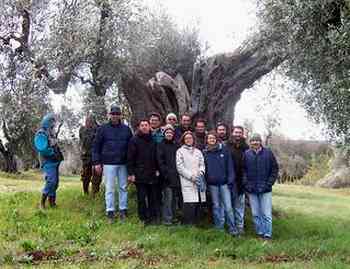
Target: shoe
[(267, 238), (122, 215), (110, 217), (52, 202), (43, 201)]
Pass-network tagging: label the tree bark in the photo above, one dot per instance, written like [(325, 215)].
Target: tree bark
[(10, 165), (217, 85)]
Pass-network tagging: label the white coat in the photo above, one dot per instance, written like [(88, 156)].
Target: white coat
[(190, 163)]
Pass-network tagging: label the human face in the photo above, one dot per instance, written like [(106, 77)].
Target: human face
[(237, 134), (115, 117), (171, 120), (200, 127), (169, 135), (155, 122), (255, 144), (211, 140), (144, 127), (186, 121), (188, 139), (221, 130)]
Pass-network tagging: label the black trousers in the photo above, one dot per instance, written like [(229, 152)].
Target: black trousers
[(191, 213), (148, 202)]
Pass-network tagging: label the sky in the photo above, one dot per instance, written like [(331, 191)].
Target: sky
[(224, 25)]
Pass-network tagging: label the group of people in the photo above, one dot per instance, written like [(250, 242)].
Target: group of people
[(177, 169)]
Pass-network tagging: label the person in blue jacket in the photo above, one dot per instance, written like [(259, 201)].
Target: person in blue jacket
[(50, 156), (220, 176), (259, 174), (109, 153)]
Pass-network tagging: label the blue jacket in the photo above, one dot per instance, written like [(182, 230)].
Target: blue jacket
[(260, 171), (158, 136), (219, 166), (110, 145), (49, 154)]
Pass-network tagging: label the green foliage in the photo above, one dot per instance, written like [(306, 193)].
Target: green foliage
[(310, 231), (314, 36), (319, 167)]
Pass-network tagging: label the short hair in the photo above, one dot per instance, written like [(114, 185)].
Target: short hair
[(212, 132), (200, 120), (238, 127), (186, 114), (142, 120), (222, 124), (182, 139), (155, 114)]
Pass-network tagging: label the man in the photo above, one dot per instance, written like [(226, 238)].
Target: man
[(223, 132), (110, 153), (87, 135), (143, 171), (45, 142), (185, 125), (200, 133), (156, 131), (260, 173), (238, 146)]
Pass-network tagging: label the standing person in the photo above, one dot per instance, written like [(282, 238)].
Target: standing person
[(237, 145), (200, 132), (171, 119), (220, 178), (110, 153), (191, 168), (50, 156), (143, 172), (260, 173), (166, 156), (87, 135), (223, 132), (185, 125), (155, 121)]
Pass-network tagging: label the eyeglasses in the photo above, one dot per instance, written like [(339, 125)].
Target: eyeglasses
[(172, 119)]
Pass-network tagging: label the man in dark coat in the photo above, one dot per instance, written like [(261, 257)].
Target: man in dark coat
[(185, 125), (223, 132), (260, 173), (166, 157), (200, 133), (86, 137), (238, 146), (143, 172), (110, 152)]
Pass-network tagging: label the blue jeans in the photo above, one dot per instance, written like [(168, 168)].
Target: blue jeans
[(221, 198), (111, 172), (238, 204), (261, 205), (51, 178)]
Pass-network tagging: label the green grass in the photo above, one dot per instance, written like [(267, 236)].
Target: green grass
[(311, 230)]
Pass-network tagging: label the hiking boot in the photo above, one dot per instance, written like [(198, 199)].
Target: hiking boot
[(52, 202), (43, 201), (110, 217), (122, 215)]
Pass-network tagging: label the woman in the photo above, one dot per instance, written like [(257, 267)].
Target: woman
[(220, 178), (166, 157), (190, 166)]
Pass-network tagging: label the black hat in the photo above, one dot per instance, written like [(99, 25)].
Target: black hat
[(115, 109)]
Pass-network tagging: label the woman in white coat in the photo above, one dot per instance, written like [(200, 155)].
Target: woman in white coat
[(191, 168)]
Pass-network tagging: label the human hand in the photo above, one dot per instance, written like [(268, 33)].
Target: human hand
[(98, 169), (131, 178)]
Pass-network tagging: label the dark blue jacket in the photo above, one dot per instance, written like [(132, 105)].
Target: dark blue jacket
[(111, 144), (260, 171), (218, 166)]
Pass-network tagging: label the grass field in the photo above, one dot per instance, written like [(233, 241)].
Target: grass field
[(311, 230)]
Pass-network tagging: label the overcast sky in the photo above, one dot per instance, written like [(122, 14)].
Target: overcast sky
[(224, 25)]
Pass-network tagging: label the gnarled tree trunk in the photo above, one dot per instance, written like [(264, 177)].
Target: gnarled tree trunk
[(217, 85)]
